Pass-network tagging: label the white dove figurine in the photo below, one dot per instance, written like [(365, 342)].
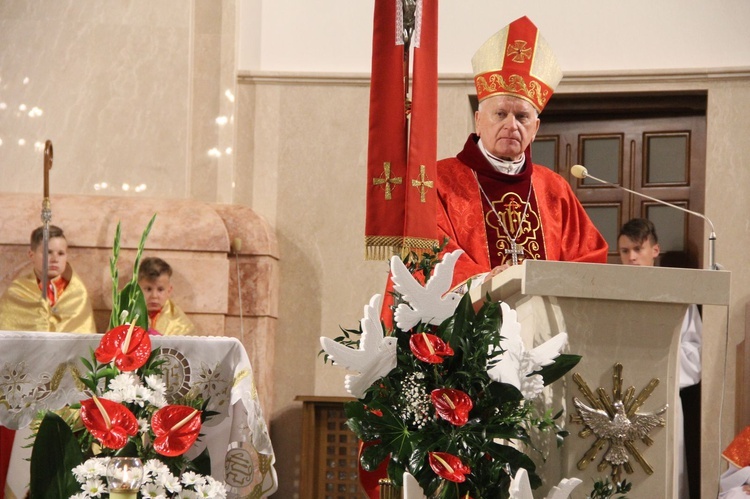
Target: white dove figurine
[(430, 304), (521, 489), (516, 363), (375, 357)]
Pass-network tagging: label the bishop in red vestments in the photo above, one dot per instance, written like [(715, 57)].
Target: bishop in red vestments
[(494, 203)]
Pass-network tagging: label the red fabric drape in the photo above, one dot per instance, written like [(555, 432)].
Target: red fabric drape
[(401, 196)]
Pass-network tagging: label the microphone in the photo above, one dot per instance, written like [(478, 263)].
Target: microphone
[(580, 171)]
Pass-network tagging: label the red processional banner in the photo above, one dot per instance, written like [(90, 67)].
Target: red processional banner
[(402, 146)]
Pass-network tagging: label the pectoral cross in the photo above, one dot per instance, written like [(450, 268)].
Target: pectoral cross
[(514, 250)]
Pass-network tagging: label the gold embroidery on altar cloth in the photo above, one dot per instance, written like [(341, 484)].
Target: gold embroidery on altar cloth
[(510, 208), (240, 376)]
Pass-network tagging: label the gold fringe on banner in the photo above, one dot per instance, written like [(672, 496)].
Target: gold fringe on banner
[(384, 247)]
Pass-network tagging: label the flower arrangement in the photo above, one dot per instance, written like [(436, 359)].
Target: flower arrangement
[(126, 414), (448, 401), (158, 481)]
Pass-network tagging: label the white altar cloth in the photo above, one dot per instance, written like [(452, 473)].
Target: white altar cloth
[(38, 373)]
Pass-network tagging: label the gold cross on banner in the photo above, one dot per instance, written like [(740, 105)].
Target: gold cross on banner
[(422, 183), (387, 180)]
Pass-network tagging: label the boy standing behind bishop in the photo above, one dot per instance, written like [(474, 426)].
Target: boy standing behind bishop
[(164, 317), (67, 307)]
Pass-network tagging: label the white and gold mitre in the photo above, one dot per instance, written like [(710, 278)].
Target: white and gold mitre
[(517, 61)]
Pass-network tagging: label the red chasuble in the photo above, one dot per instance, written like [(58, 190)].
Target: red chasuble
[(553, 227)]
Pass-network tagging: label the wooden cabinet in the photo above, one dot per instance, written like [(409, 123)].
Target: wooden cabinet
[(328, 467)]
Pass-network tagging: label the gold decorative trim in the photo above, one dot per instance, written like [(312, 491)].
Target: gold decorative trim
[(384, 247), (516, 84)]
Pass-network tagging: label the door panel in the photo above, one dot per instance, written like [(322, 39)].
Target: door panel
[(661, 157)]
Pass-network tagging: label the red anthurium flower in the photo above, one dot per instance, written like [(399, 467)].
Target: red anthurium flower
[(429, 348), (452, 405), (109, 422), (448, 466), (128, 345), (176, 428)]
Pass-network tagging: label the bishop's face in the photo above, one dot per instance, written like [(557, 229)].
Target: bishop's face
[(506, 125)]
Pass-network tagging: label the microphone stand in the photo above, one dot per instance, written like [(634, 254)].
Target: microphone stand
[(583, 173)]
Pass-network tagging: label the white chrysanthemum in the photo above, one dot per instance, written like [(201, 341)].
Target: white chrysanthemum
[(92, 468), (192, 478), (156, 467), (218, 488), (153, 491), (187, 494), (122, 394), (123, 380), (211, 490), (158, 400), (156, 383), (94, 487), (79, 496), (169, 482), (142, 395)]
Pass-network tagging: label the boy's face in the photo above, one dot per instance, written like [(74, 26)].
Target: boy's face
[(156, 292), (635, 253), (57, 259)]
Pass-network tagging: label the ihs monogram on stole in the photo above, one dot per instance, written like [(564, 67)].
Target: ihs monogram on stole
[(511, 208)]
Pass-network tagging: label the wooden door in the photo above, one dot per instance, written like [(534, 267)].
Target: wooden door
[(654, 144)]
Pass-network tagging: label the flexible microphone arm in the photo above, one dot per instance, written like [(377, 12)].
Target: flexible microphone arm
[(580, 171)]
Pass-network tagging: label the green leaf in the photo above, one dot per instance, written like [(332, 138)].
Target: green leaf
[(558, 368), (202, 463), (372, 456), (132, 300), (54, 455)]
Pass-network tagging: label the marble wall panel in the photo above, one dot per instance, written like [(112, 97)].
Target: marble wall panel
[(93, 78), (259, 287)]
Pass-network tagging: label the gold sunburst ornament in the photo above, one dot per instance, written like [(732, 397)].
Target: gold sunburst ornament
[(617, 422)]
